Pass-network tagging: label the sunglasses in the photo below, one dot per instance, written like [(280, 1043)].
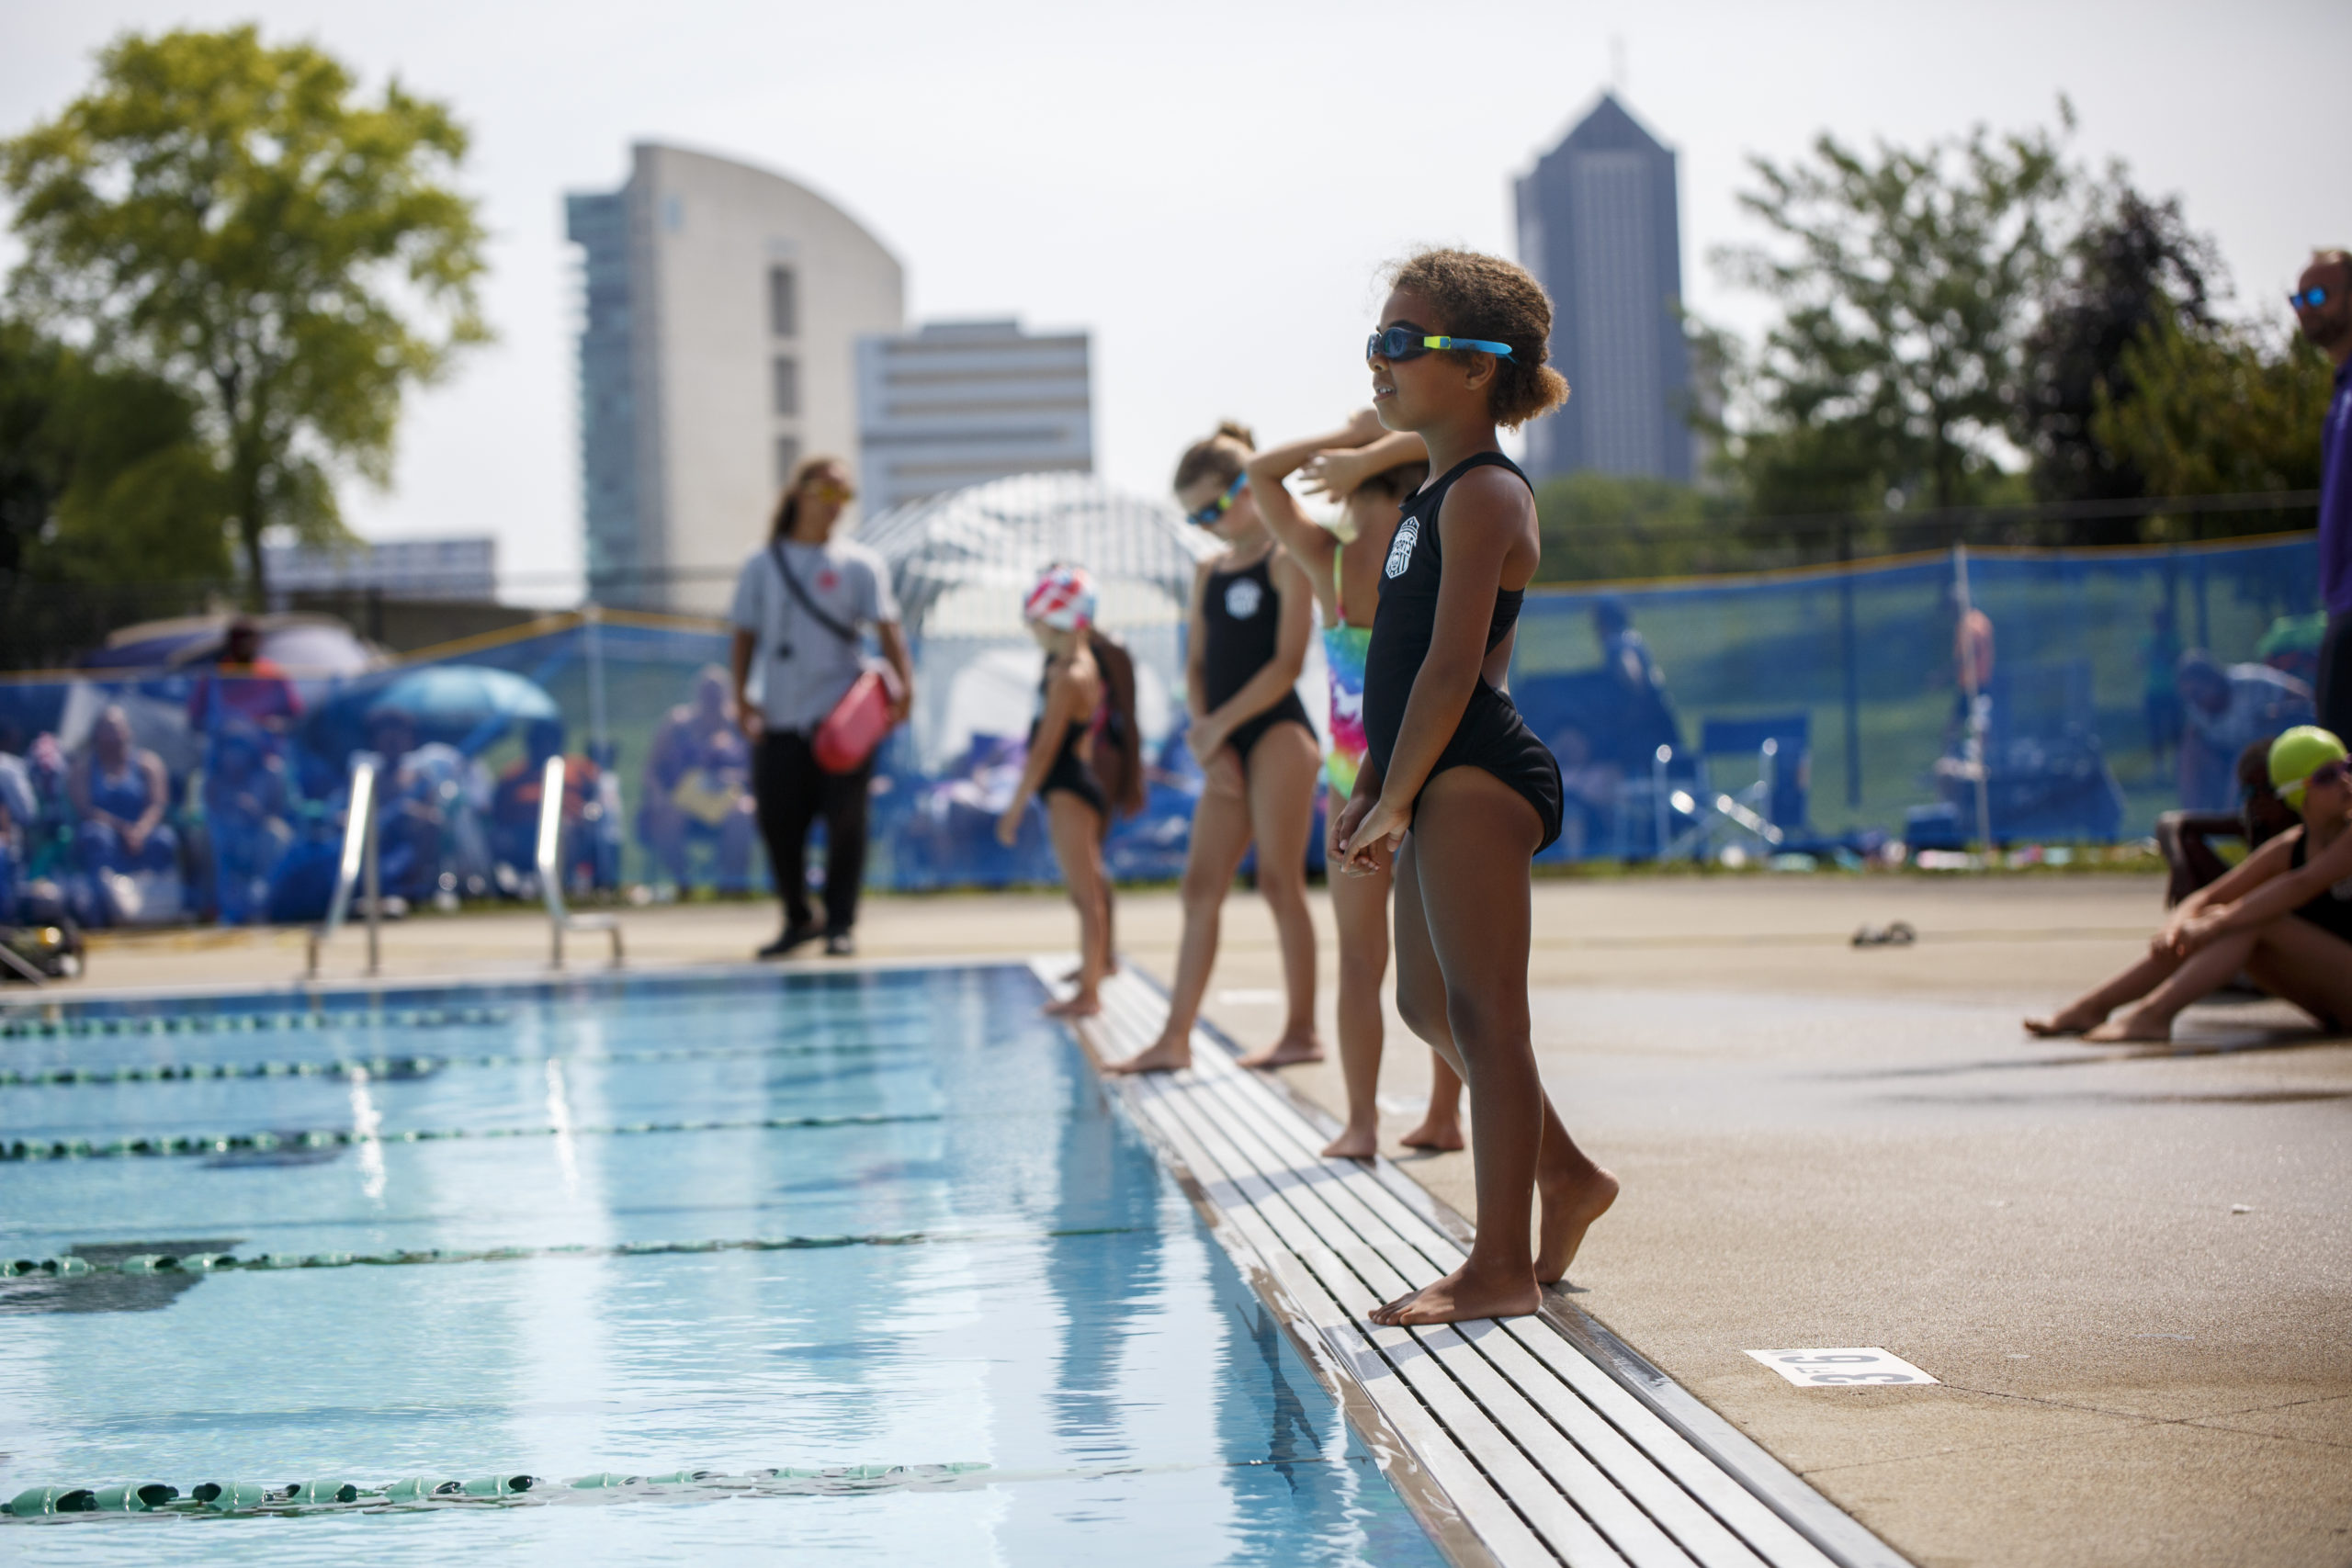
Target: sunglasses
[(2310, 299), (1403, 343), (1221, 505)]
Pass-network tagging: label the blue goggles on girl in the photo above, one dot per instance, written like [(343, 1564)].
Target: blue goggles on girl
[(1404, 342), (1221, 505)]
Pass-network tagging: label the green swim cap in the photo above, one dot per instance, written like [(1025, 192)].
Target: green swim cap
[(2297, 754)]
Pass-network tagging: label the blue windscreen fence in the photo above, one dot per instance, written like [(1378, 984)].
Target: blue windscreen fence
[(1818, 712)]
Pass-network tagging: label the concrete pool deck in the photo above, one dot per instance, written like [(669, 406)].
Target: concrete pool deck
[(2131, 1270)]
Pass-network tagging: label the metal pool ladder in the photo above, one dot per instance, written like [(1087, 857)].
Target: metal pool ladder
[(560, 919), (358, 861)]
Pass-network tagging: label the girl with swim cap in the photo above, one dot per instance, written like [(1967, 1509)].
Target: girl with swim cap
[(1370, 472), (2282, 916), (1081, 723), (1456, 791), (1246, 633)]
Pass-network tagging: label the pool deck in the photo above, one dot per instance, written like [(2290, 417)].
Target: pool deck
[(2131, 1271)]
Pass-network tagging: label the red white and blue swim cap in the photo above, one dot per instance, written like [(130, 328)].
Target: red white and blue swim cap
[(1063, 599)]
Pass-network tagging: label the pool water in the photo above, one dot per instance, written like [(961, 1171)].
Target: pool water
[(744, 1224)]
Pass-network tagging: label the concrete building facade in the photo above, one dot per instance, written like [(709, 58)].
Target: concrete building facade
[(722, 306), (1599, 225), (462, 568), (962, 402)]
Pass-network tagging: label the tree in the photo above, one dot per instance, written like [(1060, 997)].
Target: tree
[(233, 219), (1599, 526), (1909, 281), (103, 476), (2135, 263), (2223, 410)]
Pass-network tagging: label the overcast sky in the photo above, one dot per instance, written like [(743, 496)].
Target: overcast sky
[(1209, 188)]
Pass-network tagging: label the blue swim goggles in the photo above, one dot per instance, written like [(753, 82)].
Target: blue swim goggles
[(1221, 505), (2310, 299), (1403, 343)]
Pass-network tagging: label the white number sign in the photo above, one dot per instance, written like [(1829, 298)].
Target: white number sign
[(1866, 1367)]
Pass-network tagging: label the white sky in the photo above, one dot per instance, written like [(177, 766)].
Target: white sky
[(1209, 187)]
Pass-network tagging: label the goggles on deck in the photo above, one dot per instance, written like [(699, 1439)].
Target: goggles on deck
[(1401, 342), (1221, 505)]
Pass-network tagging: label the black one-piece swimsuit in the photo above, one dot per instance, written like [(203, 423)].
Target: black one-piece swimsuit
[(1242, 614), (1491, 734)]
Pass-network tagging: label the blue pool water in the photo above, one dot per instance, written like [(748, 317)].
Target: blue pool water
[(936, 1245)]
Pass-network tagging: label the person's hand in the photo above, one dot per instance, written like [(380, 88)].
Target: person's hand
[(1204, 741), (1371, 845), (902, 705), (2198, 932), (1363, 426), (1008, 827), (1342, 826), (134, 837), (754, 724), (1334, 476)]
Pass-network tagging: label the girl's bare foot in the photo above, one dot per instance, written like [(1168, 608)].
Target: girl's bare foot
[(1075, 975), (1290, 1048), (1570, 1205), (2130, 1028), (1356, 1142), (1463, 1295), (1435, 1133), (1164, 1056), (1084, 1005), (2075, 1020)]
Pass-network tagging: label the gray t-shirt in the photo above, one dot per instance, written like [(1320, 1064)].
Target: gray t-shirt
[(798, 667)]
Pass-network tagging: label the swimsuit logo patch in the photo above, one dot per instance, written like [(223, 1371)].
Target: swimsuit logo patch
[(1242, 597), (1400, 549)]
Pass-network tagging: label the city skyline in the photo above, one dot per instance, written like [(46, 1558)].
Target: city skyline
[(1069, 168)]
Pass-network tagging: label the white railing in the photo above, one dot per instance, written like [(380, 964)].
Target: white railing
[(550, 867), (359, 864)]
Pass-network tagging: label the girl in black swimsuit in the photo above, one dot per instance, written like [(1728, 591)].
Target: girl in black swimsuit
[(1454, 787), (1060, 614), (2282, 916), (1252, 616)]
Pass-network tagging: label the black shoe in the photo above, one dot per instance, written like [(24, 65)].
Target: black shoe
[(794, 936), (840, 944)]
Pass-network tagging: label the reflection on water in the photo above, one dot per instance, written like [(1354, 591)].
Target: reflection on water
[(1067, 1322)]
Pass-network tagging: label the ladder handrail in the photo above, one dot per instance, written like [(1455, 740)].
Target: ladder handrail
[(358, 861), (547, 859)]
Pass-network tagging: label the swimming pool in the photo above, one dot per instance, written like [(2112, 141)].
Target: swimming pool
[(857, 1266)]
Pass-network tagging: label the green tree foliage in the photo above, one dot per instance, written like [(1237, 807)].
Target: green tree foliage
[(103, 478), (2134, 263), (2220, 409), (1907, 281), (1602, 527), (235, 221)]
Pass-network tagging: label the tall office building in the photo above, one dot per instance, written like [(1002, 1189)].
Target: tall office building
[(961, 402), (722, 308), (1599, 225)]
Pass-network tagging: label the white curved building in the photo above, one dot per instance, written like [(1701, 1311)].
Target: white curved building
[(723, 307)]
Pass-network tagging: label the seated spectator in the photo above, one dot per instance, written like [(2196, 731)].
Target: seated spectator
[(246, 809), (409, 810), (1639, 718), (2187, 837), (119, 793), (514, 811), (244, 688), (2226, 711), (2283, 916), (697, 788)]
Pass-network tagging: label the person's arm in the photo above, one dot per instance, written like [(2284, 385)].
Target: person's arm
[(894, 649), (159, 787), (1477, 528), (1313, 548), (77, 789), (1337, 475), (1062, 694), (2281, 893), (749, 719), (1196, 645), (1293, 598)]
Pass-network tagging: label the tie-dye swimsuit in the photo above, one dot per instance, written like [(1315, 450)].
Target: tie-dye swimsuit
[(1343, 647)]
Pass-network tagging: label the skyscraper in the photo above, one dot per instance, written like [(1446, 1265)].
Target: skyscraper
[(722, 306), (1599, 225), (961, 402)]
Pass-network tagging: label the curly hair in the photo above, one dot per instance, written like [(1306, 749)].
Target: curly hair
[(1221, 456), (1482, 296)]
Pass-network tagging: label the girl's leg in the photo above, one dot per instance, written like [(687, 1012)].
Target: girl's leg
[(1360, 908), (1220, 838), (1440, 1125), (1464, 872), (1283, 767), (1076, 830), (2192, 978), (2090, 1010), (2297, 962)]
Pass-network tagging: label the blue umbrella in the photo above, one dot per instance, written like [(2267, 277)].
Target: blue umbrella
[(465, 705)]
